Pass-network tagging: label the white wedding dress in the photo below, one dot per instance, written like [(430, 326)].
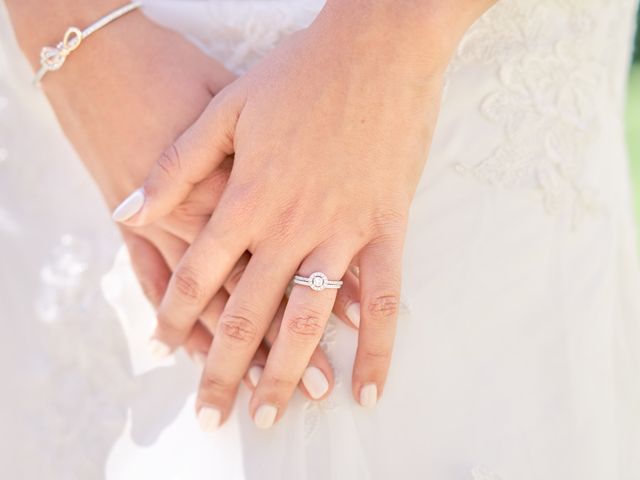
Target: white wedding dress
[(518, 350)]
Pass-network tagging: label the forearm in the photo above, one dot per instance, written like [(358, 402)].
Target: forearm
[(423, 32), (106, 95)]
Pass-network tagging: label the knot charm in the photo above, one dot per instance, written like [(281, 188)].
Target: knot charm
[(52, 58)]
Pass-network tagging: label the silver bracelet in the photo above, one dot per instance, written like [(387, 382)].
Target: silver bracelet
[(52, 58)]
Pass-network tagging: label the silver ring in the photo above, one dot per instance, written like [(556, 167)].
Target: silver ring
[(317, 281)]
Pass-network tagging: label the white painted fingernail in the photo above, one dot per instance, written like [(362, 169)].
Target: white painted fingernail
[(199, 359), (353, 314), (255, 373), (159, 350), (129, 207), (265, 416), (209, 419), (369, 395), (315, 382)]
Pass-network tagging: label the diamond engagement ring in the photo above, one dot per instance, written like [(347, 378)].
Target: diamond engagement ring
[(317, 281)]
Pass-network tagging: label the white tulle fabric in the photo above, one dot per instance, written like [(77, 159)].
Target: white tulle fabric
[(518, 350)]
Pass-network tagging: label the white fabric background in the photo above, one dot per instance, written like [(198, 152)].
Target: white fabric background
[(518, 351)]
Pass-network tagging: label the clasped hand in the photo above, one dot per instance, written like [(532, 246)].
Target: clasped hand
[(328, 146)]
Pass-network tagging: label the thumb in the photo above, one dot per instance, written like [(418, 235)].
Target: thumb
[(185, 163)]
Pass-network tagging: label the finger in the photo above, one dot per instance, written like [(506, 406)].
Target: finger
[(185, 163), (243, 324), (172, 249), (347, 306), (148, 265), (317, 379), (254, 373), (198, 344), (213, 311), (189, 218), (302, 326), (380, 274), (314, 385), (201, 272)]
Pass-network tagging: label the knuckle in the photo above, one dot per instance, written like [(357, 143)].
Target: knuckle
[(169, 161), (383, 306), (377, 354), (305, 324), (169, 328), (285, 221), (237, 330), (191, 210), (389, 221), (188, 287), (212, 381), (282, 383)]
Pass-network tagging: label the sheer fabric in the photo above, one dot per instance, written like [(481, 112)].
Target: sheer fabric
[(518, 349)]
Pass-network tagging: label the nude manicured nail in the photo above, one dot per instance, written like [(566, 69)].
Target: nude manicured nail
[(129, 207), (353, 314), (199, 359), (369, 395), (209, 419), (158, 349), (265, 416), (315, 381), (254, 375)]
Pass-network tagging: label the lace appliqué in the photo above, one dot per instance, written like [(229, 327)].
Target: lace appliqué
[(550, 99)]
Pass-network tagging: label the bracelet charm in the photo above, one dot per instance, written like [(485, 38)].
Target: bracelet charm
[(53, 58)]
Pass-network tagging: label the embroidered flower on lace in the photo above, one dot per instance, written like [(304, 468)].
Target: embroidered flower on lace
[(554, 78), (64, 293)]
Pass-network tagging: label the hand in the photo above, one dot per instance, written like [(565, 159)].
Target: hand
[(329, 148), (107, 119)]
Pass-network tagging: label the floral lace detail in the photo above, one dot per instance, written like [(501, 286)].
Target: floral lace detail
[(64, 294), (555, 74)]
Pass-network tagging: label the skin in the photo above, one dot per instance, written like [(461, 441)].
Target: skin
[(107, 119), (326, 180)]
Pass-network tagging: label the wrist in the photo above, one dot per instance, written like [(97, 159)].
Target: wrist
[(422, 33), (38, 23)]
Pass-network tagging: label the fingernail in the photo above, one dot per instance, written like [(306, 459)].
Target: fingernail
[(199, 359), (369, 395), (315, 382), (129, 207), (255, 373), (353, 314), (209, 418), (158, 349), (265, 416)]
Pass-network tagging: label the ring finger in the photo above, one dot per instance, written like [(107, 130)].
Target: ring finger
[(302, 326)]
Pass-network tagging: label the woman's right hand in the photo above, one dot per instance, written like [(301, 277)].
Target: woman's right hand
[(121, 99)]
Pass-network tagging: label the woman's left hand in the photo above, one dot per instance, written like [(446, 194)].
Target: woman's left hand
[(330, 134)]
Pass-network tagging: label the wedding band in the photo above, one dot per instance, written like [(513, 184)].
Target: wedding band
[(317, 281)]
